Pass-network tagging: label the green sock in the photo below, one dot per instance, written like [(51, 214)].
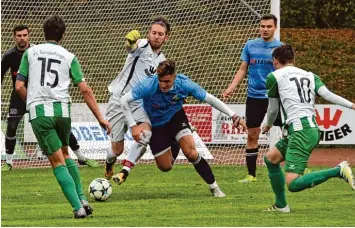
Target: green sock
[(313, 179), (68, 186), (277, 180), (74, 172)]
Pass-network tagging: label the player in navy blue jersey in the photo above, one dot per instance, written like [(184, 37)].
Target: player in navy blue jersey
[(17, 109), (257, 63), (163, 95)]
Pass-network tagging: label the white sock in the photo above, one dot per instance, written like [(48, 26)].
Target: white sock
[(9, 158), (111, 156), (136, 151), (214, 185), (80, 155), (127, 168)]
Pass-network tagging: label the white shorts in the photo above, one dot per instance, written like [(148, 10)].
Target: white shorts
[(117, 120)]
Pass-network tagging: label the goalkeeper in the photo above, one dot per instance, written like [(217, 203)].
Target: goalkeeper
[(144, 55), (163, 95)]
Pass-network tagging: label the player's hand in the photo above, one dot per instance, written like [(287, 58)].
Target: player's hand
[(133, 36), (238, 122), (227, 93), (137, 131), (353, 106), (265, 129), (105, 125)]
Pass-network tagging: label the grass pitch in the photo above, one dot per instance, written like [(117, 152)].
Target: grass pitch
[(149, 197)]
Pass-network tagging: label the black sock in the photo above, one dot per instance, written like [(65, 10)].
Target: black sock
[(10, 143), (251, 156), (175, 148), (73, 143), (204, 169)]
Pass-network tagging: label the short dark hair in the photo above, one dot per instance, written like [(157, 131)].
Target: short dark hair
[(166, 67), (269, 17), (163, 22), (54, 28), (18, 28), (284, 54)]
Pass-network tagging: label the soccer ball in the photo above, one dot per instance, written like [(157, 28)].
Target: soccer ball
[(100, 189)]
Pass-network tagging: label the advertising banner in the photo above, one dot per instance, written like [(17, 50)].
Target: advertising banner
[(336, 123), (94, 140), (224, 132)]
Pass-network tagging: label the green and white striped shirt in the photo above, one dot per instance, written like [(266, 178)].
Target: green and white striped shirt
[(296, 89), (48, 69)]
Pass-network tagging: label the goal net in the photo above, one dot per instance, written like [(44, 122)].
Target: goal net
[(206, 42)]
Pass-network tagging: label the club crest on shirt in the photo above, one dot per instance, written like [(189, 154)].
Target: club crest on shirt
[(176, 97)]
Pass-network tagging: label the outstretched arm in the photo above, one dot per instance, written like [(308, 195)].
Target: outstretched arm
[(333, 98), (219, 105), (137, 131), (124, 102)]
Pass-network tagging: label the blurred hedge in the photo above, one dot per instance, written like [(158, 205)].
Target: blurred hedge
[(317, 14), (328, 53)]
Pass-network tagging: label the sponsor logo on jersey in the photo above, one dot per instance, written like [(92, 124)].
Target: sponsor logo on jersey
[(261, 61), (13, 111), (327, 121), (149, 72)]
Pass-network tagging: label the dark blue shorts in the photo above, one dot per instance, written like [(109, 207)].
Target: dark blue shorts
[(163, 136)]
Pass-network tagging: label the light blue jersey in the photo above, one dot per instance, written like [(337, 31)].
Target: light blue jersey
[(257, 53), (161, 107)]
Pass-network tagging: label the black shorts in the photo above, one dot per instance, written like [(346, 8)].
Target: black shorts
[(17, 106), (256, 109), (164, 136)]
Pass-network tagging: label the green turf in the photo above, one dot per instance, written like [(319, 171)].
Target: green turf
[(32, 197)]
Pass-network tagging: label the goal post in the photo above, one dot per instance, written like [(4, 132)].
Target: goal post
[(206, 42)]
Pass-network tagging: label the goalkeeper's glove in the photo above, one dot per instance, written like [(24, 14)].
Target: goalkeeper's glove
[(132, 37)]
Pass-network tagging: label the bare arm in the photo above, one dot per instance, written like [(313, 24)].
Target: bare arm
[(237, 79), (90, 100), (21, 89)]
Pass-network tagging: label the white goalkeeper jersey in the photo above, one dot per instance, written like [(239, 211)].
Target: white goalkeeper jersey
[(48, 69), (139, 65), (296, 89)]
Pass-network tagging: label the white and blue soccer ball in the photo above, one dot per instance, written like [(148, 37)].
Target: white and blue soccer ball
[(100, 189)]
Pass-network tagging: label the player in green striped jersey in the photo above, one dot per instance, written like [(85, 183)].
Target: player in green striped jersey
[(48, 70), (296, 89)]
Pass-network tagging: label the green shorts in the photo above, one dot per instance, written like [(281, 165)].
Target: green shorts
[(51, 132), (297, 148)]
